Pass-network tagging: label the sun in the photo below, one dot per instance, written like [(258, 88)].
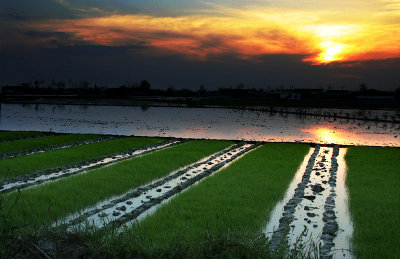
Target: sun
[(331, 51), (331, 42)]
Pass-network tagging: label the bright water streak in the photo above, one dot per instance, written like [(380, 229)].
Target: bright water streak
[(314, 224), (276, 214), (342, 241)]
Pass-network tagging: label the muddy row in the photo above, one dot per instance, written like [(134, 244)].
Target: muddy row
[(328, 217), (47, 175), (128, 207), (310, 215), (55, 147), (287, 218)]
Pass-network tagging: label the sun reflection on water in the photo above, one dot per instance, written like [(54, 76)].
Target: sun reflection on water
[(328, 135)]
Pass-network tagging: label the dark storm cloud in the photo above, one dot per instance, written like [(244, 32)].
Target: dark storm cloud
[(18, 39), (45, 34), (92, 51), (148, 7)]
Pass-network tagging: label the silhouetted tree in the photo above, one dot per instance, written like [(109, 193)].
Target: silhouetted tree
[(61, 84), (84, 84), (27, 84), (202, 90), (170, 90), (397, 93), (133, 85), (53, 82), (145, 85), (363, 87)]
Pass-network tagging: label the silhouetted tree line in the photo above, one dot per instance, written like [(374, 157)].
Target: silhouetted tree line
[(84, 89)]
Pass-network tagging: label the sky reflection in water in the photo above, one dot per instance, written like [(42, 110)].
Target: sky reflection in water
[(207, 123)]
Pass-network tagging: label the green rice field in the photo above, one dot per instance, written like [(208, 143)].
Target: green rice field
[(196, 198), (36, 143), (373, 180)]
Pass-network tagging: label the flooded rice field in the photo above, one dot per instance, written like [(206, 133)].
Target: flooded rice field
[(344, 127), (314, 211)]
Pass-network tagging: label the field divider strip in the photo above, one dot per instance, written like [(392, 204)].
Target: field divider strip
[(134, 203), (47, 175), (55, 147)]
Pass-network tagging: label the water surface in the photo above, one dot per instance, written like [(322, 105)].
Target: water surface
[(206, 123)]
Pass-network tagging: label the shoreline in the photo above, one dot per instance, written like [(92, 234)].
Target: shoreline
[(347, 113), (189, 102)]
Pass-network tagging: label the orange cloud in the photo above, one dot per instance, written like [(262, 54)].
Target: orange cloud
[(247, 33)]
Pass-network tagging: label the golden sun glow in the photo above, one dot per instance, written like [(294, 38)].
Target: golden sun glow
[(331, 52), (334, 42), (328, 135), (246, 33)]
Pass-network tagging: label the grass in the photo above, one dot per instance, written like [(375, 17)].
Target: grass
[(28, 164), (27, 144), (4, 135), (237, 200), (374, 188), (46, 203)]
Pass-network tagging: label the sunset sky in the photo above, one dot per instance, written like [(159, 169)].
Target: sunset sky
[(307, 44)]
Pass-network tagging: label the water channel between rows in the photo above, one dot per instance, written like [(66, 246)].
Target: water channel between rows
[(315, 206), (202, 123)]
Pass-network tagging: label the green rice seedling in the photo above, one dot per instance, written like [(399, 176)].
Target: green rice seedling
[(104, 243), (27, 144), (237, 200), (52, 201), (28, 164), (373, 180), (5, 135)]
